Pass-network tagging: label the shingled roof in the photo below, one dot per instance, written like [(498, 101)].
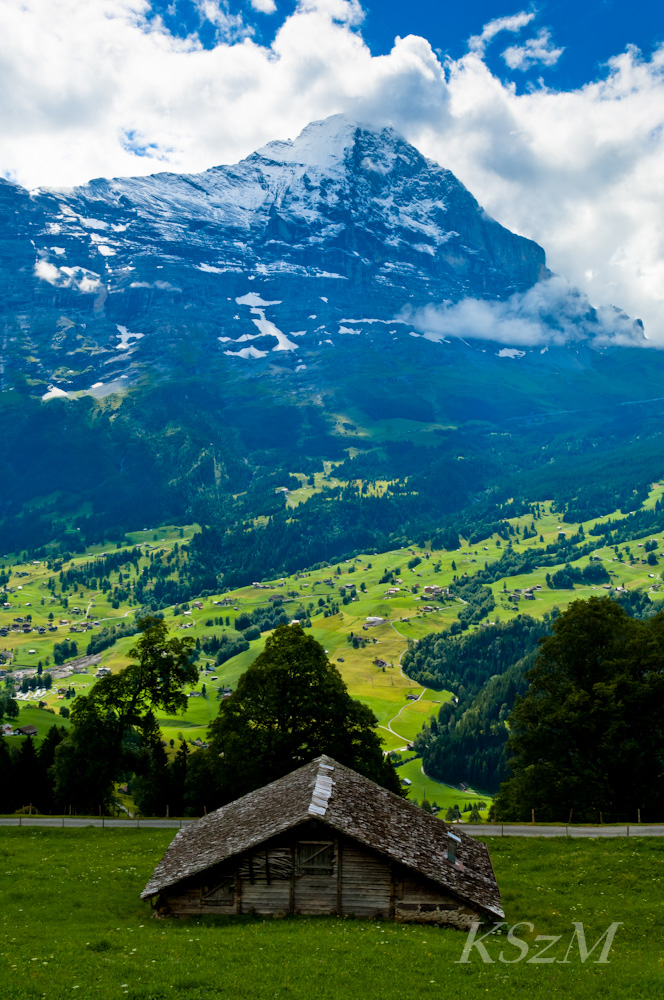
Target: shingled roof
[(352, 805)]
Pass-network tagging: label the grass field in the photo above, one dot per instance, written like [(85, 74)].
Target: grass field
[(382, 687), (72, 925)]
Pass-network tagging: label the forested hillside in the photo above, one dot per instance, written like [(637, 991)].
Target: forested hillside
[(486, 671)]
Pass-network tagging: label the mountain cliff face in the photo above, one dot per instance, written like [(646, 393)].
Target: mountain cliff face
[(268, 257), (175, 346)]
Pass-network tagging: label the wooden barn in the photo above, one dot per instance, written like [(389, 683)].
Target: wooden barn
[(325, 840)]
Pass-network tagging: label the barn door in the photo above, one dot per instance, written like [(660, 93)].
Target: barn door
[(315, 884), (222, 894)]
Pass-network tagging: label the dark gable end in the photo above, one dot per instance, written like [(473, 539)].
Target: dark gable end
[(350, 805)]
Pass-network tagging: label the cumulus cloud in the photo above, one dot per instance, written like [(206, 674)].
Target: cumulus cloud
[(103, 89), (264, 6), (539, 50), (68, 277), (552, 312), (581, 172), (514, 23)]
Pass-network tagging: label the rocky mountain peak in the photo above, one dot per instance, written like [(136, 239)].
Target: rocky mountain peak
[(346, 222)]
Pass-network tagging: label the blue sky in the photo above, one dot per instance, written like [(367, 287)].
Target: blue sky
[(552, 113), (589, 31)]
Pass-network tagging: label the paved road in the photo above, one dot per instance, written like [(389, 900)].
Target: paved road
[(106, 822), (479, 829), (528, 830)]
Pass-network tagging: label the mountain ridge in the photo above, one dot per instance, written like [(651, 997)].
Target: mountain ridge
[(374, 218), (187, 359)]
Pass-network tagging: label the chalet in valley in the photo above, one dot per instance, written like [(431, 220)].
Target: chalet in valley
[(326, 840)]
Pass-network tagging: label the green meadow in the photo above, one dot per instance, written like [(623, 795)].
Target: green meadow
[(72, 925)]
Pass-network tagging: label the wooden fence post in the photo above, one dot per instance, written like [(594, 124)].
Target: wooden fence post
[(639, 813), (532, 815)]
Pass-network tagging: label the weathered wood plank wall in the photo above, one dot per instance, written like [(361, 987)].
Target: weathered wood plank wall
[(316, 877)]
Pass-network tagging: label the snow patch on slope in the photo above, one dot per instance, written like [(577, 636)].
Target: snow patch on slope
[(125, 337), (54, 393), (253, 299), (247, 352)]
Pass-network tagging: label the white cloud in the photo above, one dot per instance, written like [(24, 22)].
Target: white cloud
[(229, 26), (552, 312), (539, 50), (97, 89), (514, 23), (581, 172), (68, 277), (264, 6)]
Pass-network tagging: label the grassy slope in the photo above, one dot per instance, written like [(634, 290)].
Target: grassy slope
[(72, 925), (385, 689)]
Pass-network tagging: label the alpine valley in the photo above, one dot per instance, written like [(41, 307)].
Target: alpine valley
[(184, 348)]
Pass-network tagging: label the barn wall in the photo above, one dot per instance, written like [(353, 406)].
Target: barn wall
[(263, 881), (309, 871), (366, 883), (420, 901), (315, 895)]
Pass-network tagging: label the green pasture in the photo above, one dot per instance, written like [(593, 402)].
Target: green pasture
[(423, 787), (72, 925), (383, 688), (30, 715)]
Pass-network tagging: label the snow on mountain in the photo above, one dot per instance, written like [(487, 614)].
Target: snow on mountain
[(287, 250)]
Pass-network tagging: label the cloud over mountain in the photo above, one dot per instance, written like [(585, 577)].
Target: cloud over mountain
[(105, 89), (552, 312)]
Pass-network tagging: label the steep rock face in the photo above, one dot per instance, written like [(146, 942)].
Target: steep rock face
[(347, 222), (361, 200)]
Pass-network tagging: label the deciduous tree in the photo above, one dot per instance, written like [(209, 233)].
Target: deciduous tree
[(589, 733), (290, 706)]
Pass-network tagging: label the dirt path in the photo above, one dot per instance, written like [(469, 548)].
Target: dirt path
[(388, 727)]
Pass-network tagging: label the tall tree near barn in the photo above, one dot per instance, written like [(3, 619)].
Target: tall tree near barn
[(290, 706)]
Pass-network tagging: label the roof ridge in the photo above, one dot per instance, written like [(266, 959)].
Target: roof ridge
[(322, 790)]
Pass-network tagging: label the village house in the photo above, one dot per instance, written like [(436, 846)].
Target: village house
[(326, 840), (27, 730)]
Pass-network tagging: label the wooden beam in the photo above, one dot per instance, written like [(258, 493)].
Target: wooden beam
[(339, 849), (238, 892), (291, 893)]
